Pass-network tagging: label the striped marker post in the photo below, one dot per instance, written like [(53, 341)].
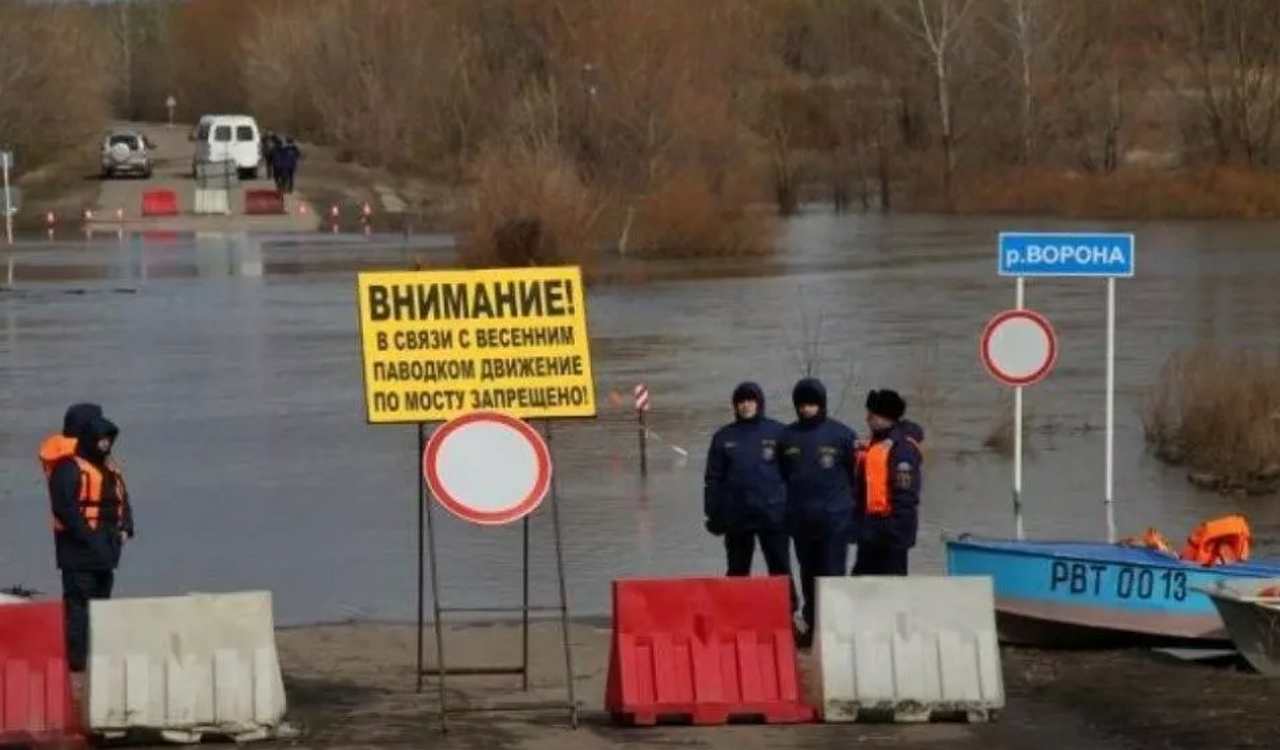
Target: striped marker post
[(642, 406)]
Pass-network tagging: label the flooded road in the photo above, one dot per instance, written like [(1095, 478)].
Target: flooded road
[(231, 363)]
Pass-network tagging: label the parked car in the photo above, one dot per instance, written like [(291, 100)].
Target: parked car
[(228, 138), (126, 152)]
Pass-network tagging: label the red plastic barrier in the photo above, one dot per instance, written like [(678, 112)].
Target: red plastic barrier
[(258, 202), (703, 650), (159, 203), (35, 690)]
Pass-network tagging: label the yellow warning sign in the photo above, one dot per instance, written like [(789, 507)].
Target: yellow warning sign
[(437, 344)]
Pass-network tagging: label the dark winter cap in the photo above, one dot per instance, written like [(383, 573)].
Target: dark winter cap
[(886, 403), (809, 391)]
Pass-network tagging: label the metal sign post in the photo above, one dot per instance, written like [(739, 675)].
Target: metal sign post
[(492, 498), (1019, 348), (641, 394), (6, 160), (1020, 301), (498, 346), (1089, 254)]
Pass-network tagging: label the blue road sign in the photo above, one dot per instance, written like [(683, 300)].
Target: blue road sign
[(1049, 254)]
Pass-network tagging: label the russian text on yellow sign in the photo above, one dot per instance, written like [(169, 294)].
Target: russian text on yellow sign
[(436, 344)]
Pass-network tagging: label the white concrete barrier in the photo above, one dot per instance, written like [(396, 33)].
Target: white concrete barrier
[(911, 647), (211, 201), (185, 666)]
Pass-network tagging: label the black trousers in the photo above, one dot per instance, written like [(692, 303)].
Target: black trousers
[(78, 587), (819, 555), (740, 548), (880, 560)]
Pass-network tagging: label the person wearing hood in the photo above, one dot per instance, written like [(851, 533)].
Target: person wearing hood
[(888, 487), (744, 497), (817, 455), (62, 445), (93, 518)]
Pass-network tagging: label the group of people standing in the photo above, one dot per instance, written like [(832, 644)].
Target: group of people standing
[(814, 485), (282, 158)]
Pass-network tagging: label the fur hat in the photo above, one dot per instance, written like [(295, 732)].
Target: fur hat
[(886, 403)]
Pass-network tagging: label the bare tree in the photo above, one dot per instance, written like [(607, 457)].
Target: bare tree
[(121, 27), (1032, 28), (937, 27), (1232, 53)]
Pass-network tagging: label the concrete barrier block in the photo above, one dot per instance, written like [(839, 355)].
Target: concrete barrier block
[(907, 648), (189, 665), (212, 201)]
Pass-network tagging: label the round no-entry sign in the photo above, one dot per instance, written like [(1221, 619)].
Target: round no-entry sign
[(487, 468), (1019, 347)]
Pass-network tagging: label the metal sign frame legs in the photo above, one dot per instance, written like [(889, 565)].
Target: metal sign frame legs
[(1080, 255), (441, 670)]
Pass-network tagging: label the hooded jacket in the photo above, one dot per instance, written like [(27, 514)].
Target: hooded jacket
[(898, 529), (817, 463), (80, 547), (743, 488)]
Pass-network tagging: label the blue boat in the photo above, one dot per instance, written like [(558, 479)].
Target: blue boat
[(1096, 595)]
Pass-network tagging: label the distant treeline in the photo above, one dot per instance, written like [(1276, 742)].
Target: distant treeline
[(662, 117)]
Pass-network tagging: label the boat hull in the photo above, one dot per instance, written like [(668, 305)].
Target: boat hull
[(1094, 595), (1252, 622)]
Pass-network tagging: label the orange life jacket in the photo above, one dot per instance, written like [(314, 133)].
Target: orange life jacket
[(875, 470), (873, 464), (53, 449), (1219, 541), (1151, 539), (58, 447)]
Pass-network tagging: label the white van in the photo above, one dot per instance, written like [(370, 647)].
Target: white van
[(220, 138)]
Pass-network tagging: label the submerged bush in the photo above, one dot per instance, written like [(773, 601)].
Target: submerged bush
[(1218, 413)]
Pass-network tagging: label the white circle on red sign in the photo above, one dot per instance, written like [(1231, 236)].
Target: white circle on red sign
[(487, 468), (1019, 347)]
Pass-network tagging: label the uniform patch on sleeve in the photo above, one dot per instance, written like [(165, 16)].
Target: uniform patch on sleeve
[(904, 475)]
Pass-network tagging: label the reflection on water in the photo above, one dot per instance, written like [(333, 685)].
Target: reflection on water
[(231, 362)]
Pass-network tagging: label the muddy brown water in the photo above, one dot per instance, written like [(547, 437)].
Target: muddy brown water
[(231, 363)]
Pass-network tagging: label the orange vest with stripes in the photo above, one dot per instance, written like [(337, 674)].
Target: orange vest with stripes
[(873, 464), (58, 447)]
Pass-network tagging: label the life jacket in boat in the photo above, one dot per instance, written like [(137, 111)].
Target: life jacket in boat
[(1219, 541), (1151, 539)]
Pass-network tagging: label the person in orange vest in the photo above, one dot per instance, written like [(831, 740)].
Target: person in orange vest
[(887, 488), (92, 518)]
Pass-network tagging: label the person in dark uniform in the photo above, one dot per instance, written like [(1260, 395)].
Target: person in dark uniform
[(888, 487), (744, 498), (92, 518), (267, 149), (817, 455)]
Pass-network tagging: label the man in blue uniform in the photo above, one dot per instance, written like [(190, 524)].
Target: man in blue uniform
[(744, 497), (817, 455), (888, 487)]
